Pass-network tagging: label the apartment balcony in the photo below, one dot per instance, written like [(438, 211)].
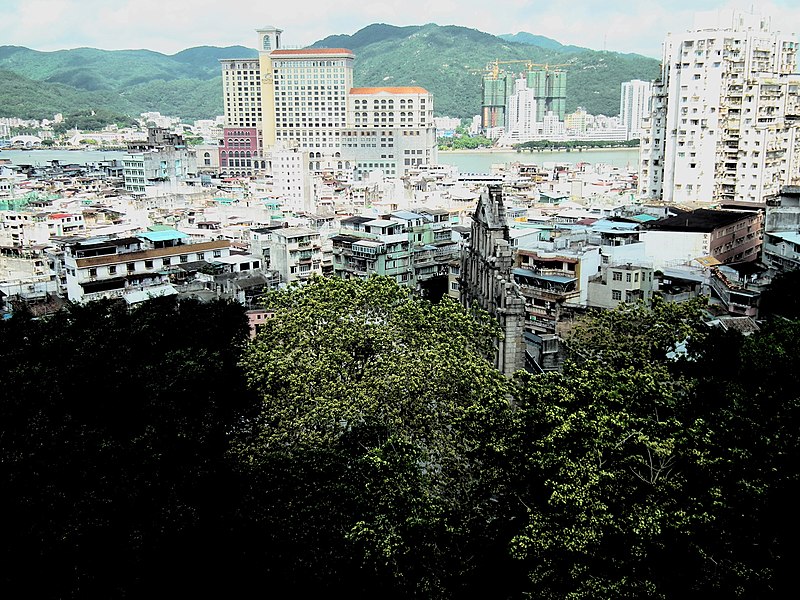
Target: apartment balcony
[(779, 250), (393, 239), (310, 245)]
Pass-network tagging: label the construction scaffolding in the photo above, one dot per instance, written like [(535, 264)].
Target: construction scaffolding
[(549, 83)]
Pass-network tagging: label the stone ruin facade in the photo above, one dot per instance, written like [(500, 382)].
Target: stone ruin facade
[(487, 280)]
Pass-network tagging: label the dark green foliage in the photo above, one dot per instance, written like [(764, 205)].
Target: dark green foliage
[(91, 120), (464, 142), (380, 399), (782, 297), (537, 40), (36, 85), (570, 144), (660, 477), (362, 445), (114, 430)]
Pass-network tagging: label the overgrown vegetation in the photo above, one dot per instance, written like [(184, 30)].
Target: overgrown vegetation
[(464, 142), (364, 444)]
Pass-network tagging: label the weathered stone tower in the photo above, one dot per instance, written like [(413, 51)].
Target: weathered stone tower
[(487, 280)]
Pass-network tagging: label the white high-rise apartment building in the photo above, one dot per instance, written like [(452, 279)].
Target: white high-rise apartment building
[(634, 105), (521, 125), (241, 92), (718, 131), (311, 88)]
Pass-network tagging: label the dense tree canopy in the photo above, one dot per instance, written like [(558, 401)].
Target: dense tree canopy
[(383, 398), (114, 431), (364, 444)]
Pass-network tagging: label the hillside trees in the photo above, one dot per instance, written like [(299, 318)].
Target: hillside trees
[(114, 430), (381, 400), (363, 443), (653, 471)]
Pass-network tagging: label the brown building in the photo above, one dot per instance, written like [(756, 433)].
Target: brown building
[(728, 236)]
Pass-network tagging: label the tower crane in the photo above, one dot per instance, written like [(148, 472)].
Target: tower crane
[(493, 67)]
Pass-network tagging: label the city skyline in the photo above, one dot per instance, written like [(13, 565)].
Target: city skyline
[(48, 25)]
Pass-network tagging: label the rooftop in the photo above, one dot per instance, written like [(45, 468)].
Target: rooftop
[(163, 235), (787, 236), (381, 223), (357, 219), (406, 215), (311, 52), (702, 220), (387, 90), (291, 232)]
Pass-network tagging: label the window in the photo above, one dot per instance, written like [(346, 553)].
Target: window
[(617, 276), (167, 261), (628, 277), (131, 267), (616, 295), (217, 253), (184, 258), (112, 270), (92, 272), (148, 264)]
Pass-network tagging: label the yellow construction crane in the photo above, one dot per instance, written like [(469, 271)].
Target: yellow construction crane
[(493, 67)]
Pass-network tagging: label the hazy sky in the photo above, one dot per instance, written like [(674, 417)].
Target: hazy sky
[(172, 25)]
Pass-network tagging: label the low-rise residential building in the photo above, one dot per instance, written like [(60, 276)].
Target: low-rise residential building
[(116, 267), (728, 236), (737, 288), (20, 229), (782, 251), (295, 253), (413, 248), (553, 281), (621, 283)]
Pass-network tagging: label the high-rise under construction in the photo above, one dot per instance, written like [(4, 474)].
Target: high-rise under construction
[(549, 90)]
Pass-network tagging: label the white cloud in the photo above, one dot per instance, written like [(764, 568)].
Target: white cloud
[(172, 25)]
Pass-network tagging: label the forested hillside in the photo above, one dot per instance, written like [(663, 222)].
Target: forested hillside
[(447, 60), (36, 85)]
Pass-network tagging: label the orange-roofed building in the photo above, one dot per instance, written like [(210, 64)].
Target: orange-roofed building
[(390, 129), (296, 114), (304, 97)]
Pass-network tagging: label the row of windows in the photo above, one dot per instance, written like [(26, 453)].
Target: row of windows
[(390, 101), (306, 64), (617, 276), (165, 262)]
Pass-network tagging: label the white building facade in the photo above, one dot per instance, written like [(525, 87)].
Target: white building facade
[(634, 105), (718, 130), (390, 129)]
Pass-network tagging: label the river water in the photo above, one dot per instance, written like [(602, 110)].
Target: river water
[(466, 161)]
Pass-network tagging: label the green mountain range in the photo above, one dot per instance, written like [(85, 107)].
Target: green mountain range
[(446, 60), (449, 62), (36, 85)]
